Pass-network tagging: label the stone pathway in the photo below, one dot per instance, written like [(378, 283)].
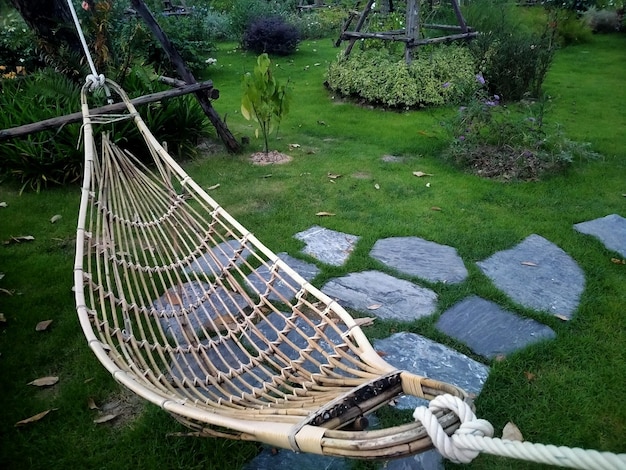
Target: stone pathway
[(536, 274)]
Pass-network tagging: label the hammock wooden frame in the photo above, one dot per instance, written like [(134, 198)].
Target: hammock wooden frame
[(190, 311)]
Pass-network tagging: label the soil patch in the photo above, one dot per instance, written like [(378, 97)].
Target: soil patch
[(271, 158)]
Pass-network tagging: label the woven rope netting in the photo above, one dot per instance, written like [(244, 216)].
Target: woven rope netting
[(188, 309)]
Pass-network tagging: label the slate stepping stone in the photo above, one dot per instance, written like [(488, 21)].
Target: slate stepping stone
[(326, 245), (429, 460), (537, 274), (269, 459), (220, 255), (611, 230), (489, 330), (425, 357), (385, 296), (200, 308), (421, 258), (286, 287)]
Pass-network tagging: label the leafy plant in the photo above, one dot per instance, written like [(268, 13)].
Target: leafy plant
[(272, 35), (264, 100), (440, 75), (510, 143), (602, 21)]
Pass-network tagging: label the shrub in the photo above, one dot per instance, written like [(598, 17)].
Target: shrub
[(17, 47), (244, 12), (513, 57), (318, 24), (571, 29), (271, 35), (509, 143), (602, 21), (441, 74)]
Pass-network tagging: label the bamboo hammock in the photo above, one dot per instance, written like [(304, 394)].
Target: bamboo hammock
[(189, 310)]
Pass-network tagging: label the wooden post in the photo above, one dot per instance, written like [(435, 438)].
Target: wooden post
[(359, 25), (229, 140), (412, 27), (459, 16)]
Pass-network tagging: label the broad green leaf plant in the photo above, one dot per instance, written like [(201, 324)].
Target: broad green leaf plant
[(264, 99)]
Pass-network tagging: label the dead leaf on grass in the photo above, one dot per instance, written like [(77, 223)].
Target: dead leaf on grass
[(43, 325), (377, 186), (6, 291), (215, 186), (365, 321), (530, 376), (333, 176), (34, 418), (325, 214), (618, 261), (20, 239), (500, 358), (436, 208), (294, 146), (44, 381), (3, 319), (3, 204), (512, 433), (104, 418), (561, 317), (55, 218), (420, 174), (91, 404)]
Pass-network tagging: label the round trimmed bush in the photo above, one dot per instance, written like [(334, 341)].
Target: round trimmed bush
[(271, 35)]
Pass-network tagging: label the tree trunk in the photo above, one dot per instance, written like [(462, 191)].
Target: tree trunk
[(227, 138), (52, 22)]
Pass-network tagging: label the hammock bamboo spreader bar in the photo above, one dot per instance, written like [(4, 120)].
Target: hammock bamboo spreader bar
[(191, 311)]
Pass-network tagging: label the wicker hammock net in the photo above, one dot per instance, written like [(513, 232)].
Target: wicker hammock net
[(189, 310)]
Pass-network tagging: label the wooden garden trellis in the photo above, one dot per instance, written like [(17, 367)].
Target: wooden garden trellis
[(410, 35)]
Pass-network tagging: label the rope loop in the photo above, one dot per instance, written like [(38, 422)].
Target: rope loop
[(95, 81), (470, 425)]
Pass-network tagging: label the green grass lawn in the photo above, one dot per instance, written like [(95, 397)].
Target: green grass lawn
[(569, 391)]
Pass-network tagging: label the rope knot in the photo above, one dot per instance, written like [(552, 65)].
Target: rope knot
[(447, 446), (95, 81)]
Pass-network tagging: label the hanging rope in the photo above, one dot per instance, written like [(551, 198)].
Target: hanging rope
[(94, 79), (475, 436)]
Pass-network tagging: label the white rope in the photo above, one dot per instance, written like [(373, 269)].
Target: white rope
[(475, 436), (94, 79)]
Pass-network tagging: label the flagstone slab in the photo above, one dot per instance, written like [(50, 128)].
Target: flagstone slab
[(425, 357), (221, 255), (207, 307), (611, 230), (286, 287), (382, 295), (489, 330), (284, 459), (421, 258), (429, 460), (328, 246), (537, 274)]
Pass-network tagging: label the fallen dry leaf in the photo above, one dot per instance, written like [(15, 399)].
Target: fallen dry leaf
[(3, 319), (3, 204), (55, 218), (34, 418), (365, 321), (294, 146), (91, 404), (618, 261), (419, 174), (512, 433), (20, 239), (377, 186), (561, 317), (44, 381), (529, 263), (530, 376), (215, 186), (500, 358), (104, 418), (436, 208), (374, 306), (43, 325), (333, 176), (325, 214), (6, 291)]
